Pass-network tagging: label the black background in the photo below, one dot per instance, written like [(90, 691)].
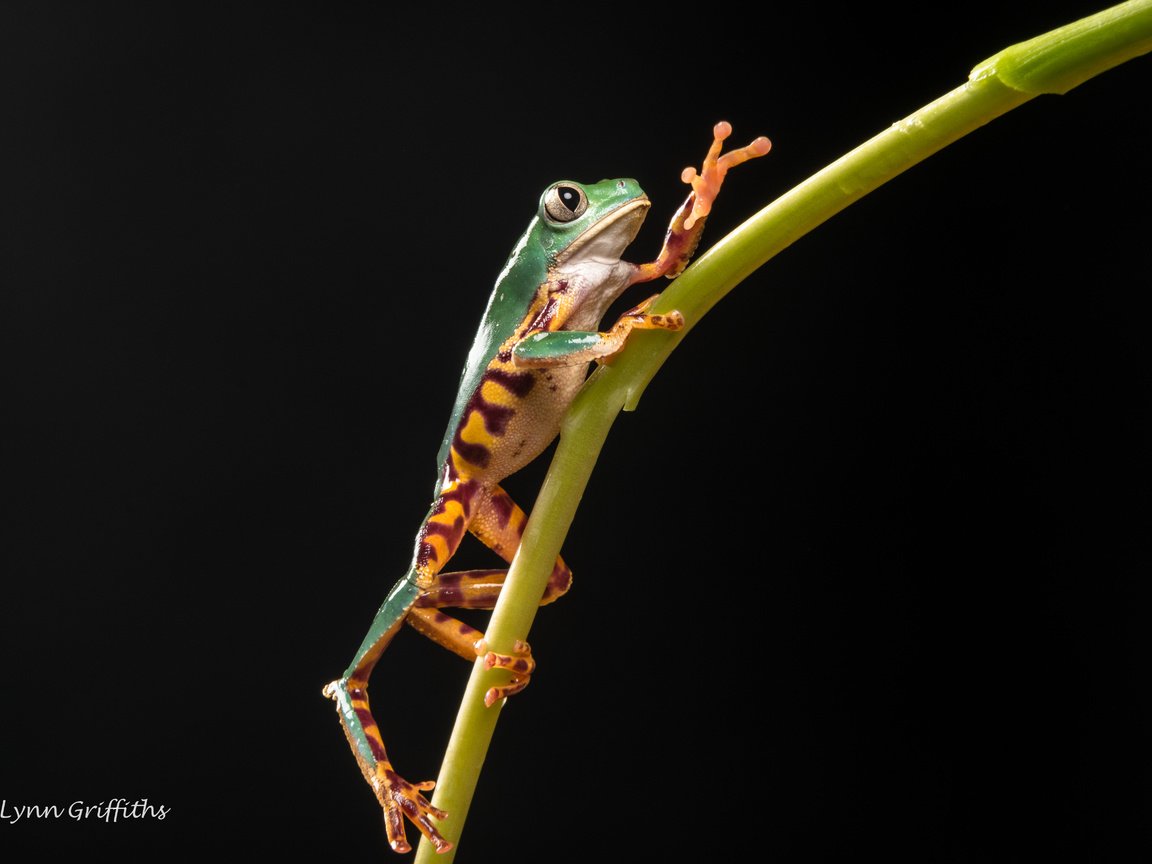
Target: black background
[(863, 575)]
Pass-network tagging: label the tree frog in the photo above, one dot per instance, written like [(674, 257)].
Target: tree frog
[(529, 358)]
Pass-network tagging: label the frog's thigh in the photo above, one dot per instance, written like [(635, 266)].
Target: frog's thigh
[(499, 524)]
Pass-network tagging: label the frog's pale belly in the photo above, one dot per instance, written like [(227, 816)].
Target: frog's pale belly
[(515, 413), (536, 420)]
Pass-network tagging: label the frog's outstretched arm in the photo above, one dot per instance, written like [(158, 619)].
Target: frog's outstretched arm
[(687, 223)]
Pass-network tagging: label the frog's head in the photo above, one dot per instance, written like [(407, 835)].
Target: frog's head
[(597, 220)]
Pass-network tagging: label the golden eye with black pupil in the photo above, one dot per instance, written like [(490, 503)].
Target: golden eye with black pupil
[(563, 203)]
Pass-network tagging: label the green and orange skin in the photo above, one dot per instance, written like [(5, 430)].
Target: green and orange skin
[(528, 360)]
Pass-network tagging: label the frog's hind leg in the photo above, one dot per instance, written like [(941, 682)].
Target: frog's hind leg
[(397, 796), (498, 523), (440, 534)]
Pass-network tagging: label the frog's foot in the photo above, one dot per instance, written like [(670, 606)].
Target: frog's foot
[(397, 797), (707, 183), (519, 663), (401, 799)]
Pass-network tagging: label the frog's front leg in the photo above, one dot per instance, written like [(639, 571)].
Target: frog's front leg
[(572, 347), (684, 230)]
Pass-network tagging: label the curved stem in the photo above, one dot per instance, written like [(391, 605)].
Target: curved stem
[(1052, 63)]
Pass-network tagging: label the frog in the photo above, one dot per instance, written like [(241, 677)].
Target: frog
[(536, 341)]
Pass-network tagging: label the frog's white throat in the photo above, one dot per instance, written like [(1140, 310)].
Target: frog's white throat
[(605, 240), (591, 275)]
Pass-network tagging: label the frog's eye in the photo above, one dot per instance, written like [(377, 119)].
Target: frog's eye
[(563, 202)]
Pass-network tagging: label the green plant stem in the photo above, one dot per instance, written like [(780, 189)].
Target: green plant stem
[(1052, 63)]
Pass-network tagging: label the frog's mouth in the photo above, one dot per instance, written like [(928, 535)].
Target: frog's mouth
[(607, 239)]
